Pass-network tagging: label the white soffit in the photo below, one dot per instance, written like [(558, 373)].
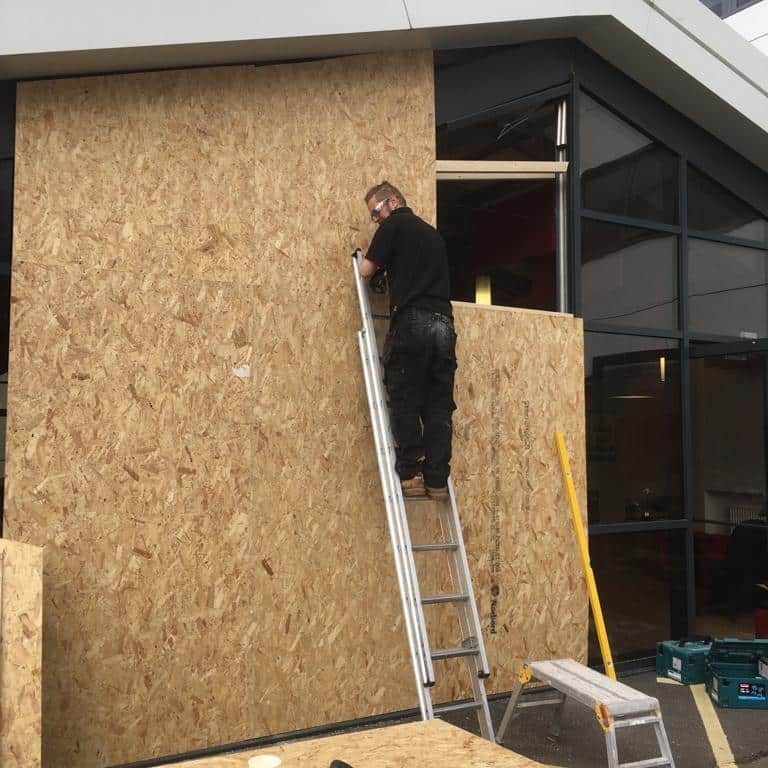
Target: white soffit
[(678, 49)]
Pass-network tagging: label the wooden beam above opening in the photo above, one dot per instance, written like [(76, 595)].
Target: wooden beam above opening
[(498, 169)]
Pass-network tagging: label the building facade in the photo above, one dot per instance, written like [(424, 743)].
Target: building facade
[(657, 239)]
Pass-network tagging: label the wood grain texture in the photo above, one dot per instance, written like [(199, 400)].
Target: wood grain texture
[(188, 434), (432, 744), (522, 380), (21, 652), (188, 423)]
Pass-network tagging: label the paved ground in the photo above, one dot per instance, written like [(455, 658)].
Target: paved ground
[(582, 745)]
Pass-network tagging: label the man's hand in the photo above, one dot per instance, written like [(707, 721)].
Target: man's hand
[(379, 281), (367, 268)]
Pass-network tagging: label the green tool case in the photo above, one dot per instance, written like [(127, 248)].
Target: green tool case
[(733, 676), (683, 660)]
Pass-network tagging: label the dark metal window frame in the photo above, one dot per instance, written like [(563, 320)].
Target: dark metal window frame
[(685, 336)]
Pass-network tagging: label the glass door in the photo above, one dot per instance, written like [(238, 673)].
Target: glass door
[(729, 492)]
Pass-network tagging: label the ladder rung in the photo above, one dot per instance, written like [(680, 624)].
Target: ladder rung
[(399, 512), (434, 547), (441, 709), (454, 653), (437, 599), (654, 761), (649, 720)]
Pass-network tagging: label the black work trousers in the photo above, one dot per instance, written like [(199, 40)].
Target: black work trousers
[(419, 368)]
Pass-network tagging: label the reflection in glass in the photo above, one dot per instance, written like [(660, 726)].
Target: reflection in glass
[(641, 580), (728, 493), (622, 170), (507, 133), (727, 289), (502, 233), (634, 433), (712, 208), (629, 275)]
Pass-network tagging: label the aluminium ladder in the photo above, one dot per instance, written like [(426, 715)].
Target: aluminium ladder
[(470, 647)]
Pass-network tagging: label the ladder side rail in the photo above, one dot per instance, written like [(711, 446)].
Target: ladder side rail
[(468, 630), (458, 582), (484, 712), (400, 519), (406, 594), (462, 554)]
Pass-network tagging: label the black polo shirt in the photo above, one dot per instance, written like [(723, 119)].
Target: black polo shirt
[(414, 255)]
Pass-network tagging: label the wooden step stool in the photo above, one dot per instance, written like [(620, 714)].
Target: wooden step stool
[(615, 704)]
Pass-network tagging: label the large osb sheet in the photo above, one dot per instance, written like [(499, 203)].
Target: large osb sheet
[(521, 378), (431, 744), (21, 652), (187, 427)]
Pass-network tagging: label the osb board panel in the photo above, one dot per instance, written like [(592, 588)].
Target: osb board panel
[(248, 172), (187, 428), (521, 377), (21, 650), (188, 431), (432, 744)]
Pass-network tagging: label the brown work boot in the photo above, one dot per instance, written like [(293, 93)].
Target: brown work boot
[(437, 493), (413, 486)]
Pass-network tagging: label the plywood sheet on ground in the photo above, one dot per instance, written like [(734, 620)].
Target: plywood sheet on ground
[(188, 434), (432, 744), (21, 650)]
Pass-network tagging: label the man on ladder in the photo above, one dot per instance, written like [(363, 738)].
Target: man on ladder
[(420, 349)]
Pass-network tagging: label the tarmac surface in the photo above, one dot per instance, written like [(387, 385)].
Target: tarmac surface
[(581, 743)]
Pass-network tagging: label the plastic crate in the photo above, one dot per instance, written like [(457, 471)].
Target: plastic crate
[(683, 660), (733, 676)]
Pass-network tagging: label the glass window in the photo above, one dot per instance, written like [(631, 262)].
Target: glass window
[(500, 235), (507, 133), (727, 289), (634, 433), (641, 580), (712, 208), (629, 275), (728, 491), (622, 170)]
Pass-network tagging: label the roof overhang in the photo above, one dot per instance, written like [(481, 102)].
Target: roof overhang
[(677, 49)]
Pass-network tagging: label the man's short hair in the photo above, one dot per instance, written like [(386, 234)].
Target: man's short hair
[(384, 191)]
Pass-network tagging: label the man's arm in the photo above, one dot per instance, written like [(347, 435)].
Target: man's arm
[(367, 268), (377, 256)]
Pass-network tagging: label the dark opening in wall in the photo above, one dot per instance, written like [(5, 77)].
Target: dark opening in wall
[(7, 130), (501, 236), (501, 232)]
